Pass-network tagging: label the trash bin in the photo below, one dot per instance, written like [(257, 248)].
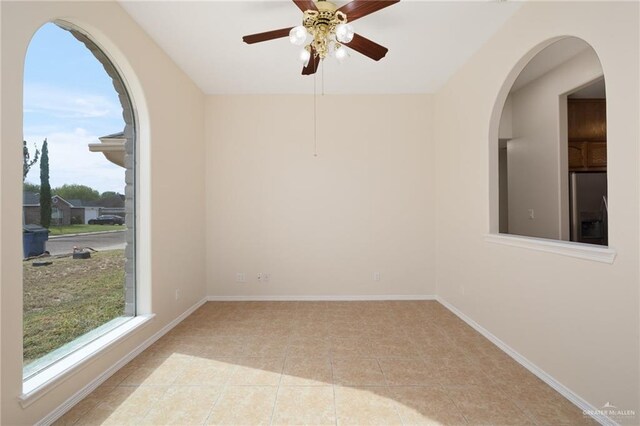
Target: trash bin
[(34, 238)]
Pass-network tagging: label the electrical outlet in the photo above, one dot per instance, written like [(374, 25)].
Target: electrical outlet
[(259, 277), (376, 276), (241, 277), (266, 277), (178, 294), (532, 214)]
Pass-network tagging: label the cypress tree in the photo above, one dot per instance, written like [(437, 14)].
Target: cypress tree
[(45, 188)]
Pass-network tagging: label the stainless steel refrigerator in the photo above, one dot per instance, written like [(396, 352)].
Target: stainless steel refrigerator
[(588, 207)]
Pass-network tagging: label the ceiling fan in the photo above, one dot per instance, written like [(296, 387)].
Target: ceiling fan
[(330, 29)]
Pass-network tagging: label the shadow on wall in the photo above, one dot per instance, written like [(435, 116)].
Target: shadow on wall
[(323, 362)]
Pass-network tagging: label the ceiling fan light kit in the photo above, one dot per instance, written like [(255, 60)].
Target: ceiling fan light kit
[(329, 29), (298, 35), (344, 33), (323, 25)]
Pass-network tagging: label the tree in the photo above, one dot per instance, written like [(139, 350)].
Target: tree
[(27, 162), (77, 192), (116, 200), (45, 187), (108, 194), (30, 187)]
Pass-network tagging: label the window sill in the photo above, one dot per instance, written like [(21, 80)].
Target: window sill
[(39, 384), (565, 248)]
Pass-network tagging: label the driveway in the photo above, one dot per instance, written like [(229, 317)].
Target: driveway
[(98, 241)]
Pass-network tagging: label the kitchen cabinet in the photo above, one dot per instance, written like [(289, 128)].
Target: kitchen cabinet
[(587, 119), (587, 156), (587, 135)]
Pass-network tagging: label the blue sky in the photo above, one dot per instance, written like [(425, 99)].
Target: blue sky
[(70, 100)]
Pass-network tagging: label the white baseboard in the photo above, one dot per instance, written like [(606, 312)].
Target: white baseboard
[(78, 396), (303, 298), (541, 374)]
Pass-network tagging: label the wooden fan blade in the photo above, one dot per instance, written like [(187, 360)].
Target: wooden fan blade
[(312, 66), (367, 47), (269, 35), (359, 8), (305, 5)]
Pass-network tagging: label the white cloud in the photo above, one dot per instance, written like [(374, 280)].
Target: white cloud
[(70, 161), (60, 103)]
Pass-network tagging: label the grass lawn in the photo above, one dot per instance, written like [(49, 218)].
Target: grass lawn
[(83, 229), (70, 298)]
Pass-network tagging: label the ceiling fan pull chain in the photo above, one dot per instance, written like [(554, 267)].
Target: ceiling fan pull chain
[(322, 70), (315, 118)]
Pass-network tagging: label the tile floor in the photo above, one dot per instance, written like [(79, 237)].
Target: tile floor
[(316, 363)]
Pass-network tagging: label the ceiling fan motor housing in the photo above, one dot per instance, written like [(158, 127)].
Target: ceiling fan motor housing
[(321, 24)]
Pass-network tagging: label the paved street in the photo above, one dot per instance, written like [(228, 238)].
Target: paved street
[(106, 241)]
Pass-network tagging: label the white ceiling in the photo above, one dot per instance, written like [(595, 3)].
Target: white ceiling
[(596, 90), (427, 41)]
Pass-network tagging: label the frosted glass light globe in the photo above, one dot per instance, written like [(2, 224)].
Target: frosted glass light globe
[(304, 56), (341, 53), (298, 35), (344, 33)]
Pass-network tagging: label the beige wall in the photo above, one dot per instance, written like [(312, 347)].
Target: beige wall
[(506, 129), (575, 319), (171, 131), (537, 154), (320, 226)]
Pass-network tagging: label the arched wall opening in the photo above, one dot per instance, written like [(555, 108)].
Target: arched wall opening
[(536, 189)]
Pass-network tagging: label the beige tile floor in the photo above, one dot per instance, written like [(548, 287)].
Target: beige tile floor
[(287, 363)]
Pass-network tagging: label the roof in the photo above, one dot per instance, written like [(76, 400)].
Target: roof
[(31, 198), (76, 202), (116, 201), (61, 199), (118, 135)]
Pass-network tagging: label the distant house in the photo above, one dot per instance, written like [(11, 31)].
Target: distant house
[(60, 209), (63, 212), (30, 208)]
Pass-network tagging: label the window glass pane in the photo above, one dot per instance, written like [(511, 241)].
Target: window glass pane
[(78, 273)]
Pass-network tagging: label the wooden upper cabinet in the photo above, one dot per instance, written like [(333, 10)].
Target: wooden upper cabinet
[(597, 154), (587, 132), (587, 119), (577, 156), (587, 156)]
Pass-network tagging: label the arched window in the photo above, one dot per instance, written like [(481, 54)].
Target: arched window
[(79, 196)]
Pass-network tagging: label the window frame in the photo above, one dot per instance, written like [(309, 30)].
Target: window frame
[(41, 382)]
